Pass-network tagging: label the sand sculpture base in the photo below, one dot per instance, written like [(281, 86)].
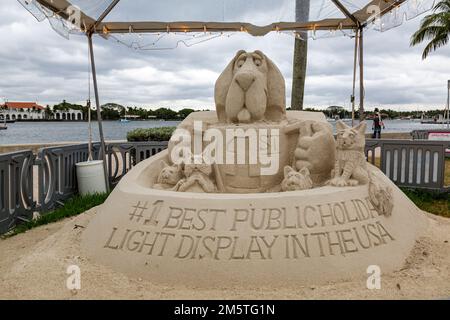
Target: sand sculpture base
[(311, 236)]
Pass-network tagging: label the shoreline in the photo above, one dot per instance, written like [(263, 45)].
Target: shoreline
[(8, 148)]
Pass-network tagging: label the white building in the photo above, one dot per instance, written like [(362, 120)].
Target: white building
[(69, 114), (22, 110), (33, 111)]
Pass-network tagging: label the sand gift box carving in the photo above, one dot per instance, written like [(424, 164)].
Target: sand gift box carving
[(254, 194)]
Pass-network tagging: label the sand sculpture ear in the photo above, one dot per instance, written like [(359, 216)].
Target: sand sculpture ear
[(287, 170), (304, 171), (276, 91), (340, 125), (361, 127), (222, 86)]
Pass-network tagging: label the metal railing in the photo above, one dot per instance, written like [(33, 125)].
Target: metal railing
[(57, 173), (30, 183), (121, 157), (16, 188), (410, 163)]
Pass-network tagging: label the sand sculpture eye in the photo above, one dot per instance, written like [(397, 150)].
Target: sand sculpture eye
[(240, 63), (257, 62)]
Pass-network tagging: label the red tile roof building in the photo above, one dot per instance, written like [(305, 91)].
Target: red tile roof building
[(23, 105), (34, 111), (22, 110)]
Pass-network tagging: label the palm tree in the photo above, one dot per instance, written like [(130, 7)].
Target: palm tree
[(300, 56), (434, 27)]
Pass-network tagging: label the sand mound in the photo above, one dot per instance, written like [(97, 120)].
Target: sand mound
[(34, 266)]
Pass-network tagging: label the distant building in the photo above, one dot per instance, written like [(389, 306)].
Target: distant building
[(22, 110), (69, 114), (335, 109), (33, 111)]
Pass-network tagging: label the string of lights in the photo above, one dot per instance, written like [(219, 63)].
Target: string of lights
[(170, 39)]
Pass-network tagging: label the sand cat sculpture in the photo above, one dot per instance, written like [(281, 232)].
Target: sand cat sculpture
[(350, 166), (169, 178), (294, 180)]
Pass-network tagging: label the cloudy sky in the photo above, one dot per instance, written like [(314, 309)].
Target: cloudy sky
[(39, 65)]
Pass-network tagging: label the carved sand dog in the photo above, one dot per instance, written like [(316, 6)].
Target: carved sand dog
[(169, 178), (251, 88), (231, 218), (294, 180)]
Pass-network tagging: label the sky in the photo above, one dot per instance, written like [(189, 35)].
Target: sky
[(39, 65)]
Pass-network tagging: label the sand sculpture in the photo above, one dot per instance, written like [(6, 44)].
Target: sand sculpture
[(253, 193)]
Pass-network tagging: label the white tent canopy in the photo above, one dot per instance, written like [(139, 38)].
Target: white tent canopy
[(256, 17)]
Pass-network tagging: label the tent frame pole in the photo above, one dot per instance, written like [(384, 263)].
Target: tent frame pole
[(355, 66), (448, 104), (99, 113), (361, 75)]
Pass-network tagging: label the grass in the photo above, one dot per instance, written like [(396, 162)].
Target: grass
[(433, 202), (72, 207)]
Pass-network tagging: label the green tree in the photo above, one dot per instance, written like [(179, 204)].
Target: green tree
[(300, 56), (183, 113), (435, 28), (166, 114)]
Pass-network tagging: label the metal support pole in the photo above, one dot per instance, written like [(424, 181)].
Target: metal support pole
[(355, 64), (448, 104), (99, 114), (361, 76)]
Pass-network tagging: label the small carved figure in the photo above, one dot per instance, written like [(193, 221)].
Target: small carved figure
[(197, 178), (169, 178), (380, 196), (350, 166), (294, 180), (315, 149)]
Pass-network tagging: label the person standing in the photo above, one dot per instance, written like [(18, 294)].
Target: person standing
[(377, 125)]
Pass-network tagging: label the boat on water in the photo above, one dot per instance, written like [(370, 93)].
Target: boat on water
[(124, 120), (437, 120)]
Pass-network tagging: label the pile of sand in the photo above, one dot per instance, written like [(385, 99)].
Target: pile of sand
[(33, 266)]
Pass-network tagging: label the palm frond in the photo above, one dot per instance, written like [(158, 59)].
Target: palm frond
[(433, 45), (434, 27)]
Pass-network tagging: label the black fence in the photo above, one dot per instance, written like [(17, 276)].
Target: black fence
[(38, 183)]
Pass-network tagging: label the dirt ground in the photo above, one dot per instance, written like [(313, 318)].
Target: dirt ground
[(33, 265)]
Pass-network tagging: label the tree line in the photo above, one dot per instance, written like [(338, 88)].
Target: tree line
[(114, 111)]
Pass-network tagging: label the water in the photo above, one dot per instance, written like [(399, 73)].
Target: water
[(46, 132)]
